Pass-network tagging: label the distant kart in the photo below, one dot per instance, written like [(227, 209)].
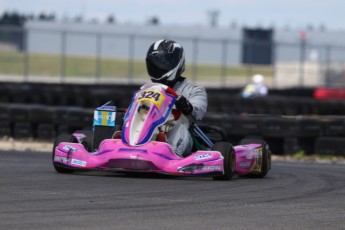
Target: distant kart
[(142, 145)]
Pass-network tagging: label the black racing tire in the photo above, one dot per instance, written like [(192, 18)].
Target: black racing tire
[(266, 157), (228, 152), (62, 138), (87, 141)]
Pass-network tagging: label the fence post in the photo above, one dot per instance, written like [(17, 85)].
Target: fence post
[(224, 63), (98, 56), (63, 56), (26, 55), (302, 60), (328, 65), (249, 70), (194, 62), (130, 58), (274, 69)]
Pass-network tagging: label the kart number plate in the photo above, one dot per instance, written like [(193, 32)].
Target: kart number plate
[(152, 96)]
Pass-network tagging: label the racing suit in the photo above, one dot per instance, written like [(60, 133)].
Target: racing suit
[(179, 136)]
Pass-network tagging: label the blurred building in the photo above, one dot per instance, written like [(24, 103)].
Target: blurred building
[(46, 37), (320, 53)]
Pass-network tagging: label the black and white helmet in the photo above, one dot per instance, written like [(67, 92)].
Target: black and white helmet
[(165, 61)]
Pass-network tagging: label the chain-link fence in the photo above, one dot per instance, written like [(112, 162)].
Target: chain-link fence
[(95, 57)]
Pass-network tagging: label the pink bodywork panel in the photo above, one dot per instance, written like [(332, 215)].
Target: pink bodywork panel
[(114, 152)]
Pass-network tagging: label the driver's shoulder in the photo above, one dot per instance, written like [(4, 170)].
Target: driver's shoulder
[(187, 86)]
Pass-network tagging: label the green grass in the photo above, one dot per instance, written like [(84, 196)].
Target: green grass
[(50, 65), (301, 155)]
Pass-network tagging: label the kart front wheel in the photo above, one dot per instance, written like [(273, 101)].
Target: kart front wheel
[(87, 140), (58, 140), (228, 153)]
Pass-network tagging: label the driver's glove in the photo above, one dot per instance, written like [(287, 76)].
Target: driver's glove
[(184, 105)]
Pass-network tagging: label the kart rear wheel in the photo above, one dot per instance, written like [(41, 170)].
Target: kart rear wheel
[(58, 140), (228, 153), (266, 157)]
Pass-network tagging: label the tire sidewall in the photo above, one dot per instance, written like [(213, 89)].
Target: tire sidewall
[(229, 159), (59, 139)]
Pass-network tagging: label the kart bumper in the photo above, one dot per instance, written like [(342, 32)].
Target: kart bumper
[(157, 157)]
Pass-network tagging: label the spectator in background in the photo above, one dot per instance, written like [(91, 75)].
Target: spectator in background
[(256, 88)]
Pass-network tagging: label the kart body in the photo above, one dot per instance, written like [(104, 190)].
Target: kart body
[(137, 148)]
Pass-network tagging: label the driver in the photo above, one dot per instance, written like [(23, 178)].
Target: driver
[(165, 62)]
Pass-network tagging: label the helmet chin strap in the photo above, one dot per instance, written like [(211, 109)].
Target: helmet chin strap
[(169, 83)]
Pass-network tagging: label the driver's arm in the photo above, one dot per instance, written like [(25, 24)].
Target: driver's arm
[(193, 101)]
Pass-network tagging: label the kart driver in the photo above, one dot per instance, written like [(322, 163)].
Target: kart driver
[(255, 89), (165, 62)]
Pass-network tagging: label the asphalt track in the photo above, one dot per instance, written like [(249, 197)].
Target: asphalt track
[(292, 196)]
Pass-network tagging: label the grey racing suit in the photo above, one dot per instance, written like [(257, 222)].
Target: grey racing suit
[(179, 136)]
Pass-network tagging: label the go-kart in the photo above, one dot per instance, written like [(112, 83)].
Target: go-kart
[(142, 145)]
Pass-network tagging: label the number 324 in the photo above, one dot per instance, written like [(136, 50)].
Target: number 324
[(149, 94)]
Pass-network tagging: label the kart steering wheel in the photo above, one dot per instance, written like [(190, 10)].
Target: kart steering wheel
[(175, 112)]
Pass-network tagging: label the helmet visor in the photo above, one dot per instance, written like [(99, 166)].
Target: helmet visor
[(163, 60)]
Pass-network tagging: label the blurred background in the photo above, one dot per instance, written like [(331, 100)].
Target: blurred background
[(299, 43), (59, 60)]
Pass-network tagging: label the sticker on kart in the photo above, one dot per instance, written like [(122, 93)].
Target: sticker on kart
[(203, 156), (257, 159), (152, 96)]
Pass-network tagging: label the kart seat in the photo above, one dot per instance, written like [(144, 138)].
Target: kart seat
[(162, 137), (117, 135)]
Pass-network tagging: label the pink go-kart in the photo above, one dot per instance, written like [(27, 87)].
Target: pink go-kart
[(142, 145)]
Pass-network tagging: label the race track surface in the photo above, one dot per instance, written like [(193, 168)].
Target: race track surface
[(292, 196)]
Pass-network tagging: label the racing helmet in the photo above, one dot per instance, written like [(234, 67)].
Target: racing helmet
[(165, 62), (258, 79)]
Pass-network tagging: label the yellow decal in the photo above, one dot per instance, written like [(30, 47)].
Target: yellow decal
[(105, 115), (153, 96), (257, 160)]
